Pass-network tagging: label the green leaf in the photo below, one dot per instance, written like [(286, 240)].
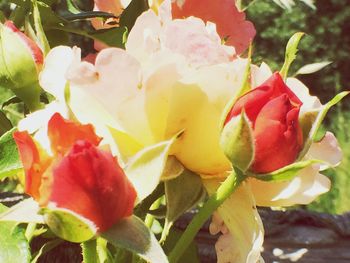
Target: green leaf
[(132, 12), (39, 28), (69, 225), (146, 168), (132, 234), (158, 213), (312, 68), (286, 173), (237, 142), (26, 211), (182, 193), (20, 12), (2, 17), (113, 37), (14, 245), (143, 208), (12, 100), (87, 15), (5, 123), (173, 168), (85, 5), (10, 163), (72, 7), (291, 51), (313, 122), (48, 16)]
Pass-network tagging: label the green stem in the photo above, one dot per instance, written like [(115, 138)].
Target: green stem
[(89, 251), (223, 192)]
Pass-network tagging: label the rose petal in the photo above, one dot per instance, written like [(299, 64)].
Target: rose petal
[(192, 39), (327, 149), (35, 162), (278, 119), (229, 21), (90, 182), (143, 39), (309, 102), (53, 76), (302, 189), (244, 224), (64, 133), (260, 74)]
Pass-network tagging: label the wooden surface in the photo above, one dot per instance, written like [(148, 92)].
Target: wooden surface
[(294, 236)]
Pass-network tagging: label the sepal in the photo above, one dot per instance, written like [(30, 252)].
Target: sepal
[(311, 121), (285, 173), (68, 225), (237, 142), (132, 234)]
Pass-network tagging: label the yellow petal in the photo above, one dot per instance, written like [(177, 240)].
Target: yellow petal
[(243, 222)]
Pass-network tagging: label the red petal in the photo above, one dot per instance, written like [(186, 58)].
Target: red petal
[(253, 101), (230, 22), (90, 182), (64, 133), (34, 48), (35, 162), (278, 137)]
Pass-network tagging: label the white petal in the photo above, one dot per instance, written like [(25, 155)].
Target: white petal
[(260, 74), (143, 39), (309, 102), (53, 76), (302, 189), (327, 150), (243, 243)]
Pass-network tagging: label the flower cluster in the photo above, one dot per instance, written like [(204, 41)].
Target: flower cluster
[(78, 176), (179, 105)]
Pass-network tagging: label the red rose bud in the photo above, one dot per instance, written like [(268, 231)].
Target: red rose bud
[(80, 177), (29, 43), (273, 110), (20, 62), (91, 183)]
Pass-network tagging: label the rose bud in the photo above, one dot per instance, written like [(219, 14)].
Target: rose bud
[(273, 111), (79, 178), (20, 62)]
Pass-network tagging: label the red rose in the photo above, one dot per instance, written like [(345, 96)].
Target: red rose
[(79, 177), (273, 110)]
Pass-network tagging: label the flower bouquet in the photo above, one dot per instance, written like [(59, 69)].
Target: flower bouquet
[(166, 113)]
